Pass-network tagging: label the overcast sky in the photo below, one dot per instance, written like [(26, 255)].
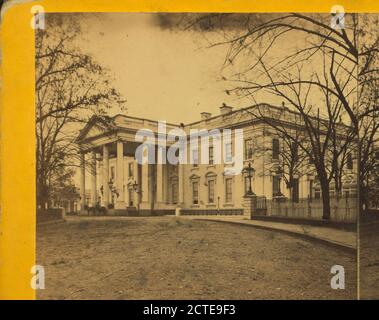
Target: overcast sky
[(165, 75)]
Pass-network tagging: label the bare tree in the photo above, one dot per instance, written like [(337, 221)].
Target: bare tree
[(313, 135), (348, 53), (290, 162), (70, 88)]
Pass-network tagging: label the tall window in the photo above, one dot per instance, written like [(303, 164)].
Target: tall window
[(195, 192), (317, 193), (211, 191), (310, 189), (248, 149), (130, 169), (275, 148), (195, 157), (228, 190), (295, 190), (275, 186), (228, 152), (211, 156), (349, 161), (174, 192)]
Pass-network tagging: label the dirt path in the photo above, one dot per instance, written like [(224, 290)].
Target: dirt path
[(173, 258)]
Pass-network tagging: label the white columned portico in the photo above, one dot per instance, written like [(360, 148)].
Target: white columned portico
[(82, 181), (93, 179), (120, 203), (105, 176)]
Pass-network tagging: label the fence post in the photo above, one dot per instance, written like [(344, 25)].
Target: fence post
[(249, 206)]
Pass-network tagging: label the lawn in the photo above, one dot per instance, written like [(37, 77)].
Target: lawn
[(369, 260), (176, 258)]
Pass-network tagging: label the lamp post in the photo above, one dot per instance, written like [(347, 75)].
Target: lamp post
[(249, 171)]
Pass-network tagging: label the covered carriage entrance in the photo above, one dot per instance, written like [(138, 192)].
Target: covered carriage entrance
[(116, 183)]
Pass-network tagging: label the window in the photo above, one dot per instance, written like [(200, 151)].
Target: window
[(211, 158), (174, 192), (195, 157), (275, 148), (228, 152), (195, 192), (211, 191), (349, 161), (248, 149), (310, 189), (228, 190), (295, 190), (130, 169), (275, 186), (317, 193)]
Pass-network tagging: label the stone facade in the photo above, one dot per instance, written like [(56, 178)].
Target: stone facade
[(119, 183)]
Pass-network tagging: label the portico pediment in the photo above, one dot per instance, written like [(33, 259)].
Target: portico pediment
[(93, 132), (96, 126)]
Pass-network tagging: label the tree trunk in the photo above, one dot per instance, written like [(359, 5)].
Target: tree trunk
[(325, 200), (360, 192), (338, 186), (42, 195)]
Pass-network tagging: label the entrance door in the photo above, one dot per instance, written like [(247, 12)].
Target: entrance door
[(131, 197)]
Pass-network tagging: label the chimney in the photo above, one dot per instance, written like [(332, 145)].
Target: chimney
[(205, 115), (224, 109)]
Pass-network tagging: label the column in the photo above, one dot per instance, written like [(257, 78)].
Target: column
[(166, 183), (105, 176), (120, 204), (82, 182), (160, 184), (145, 186), (181, 184), (146, 205), (93, 179), (136, 178), (180, 189)]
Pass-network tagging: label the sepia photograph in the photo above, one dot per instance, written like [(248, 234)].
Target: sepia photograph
[(223, 156)]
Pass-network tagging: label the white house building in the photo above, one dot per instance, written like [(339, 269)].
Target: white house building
[(123, 186)]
